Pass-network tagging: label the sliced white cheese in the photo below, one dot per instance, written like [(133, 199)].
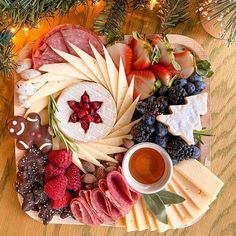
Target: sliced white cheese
[(128, 99), (47, 89), (127, 116), (91, 63), (189, 205), (162, 227), (202, 177), (121, 223), (150, 217), (87, 156), (131, 224), (198, 197), (124, 130), (112, 72), (103, 66), (142, 222), (107, 149), (116, 141), (64, 69), (77, 63), (173, 217), (37, 106), (77, 162), (50, 77), (97, 154), (122, 86)]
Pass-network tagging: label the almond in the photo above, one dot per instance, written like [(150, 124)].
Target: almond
[(119, 157), (100, 173), (128, 143), (89, 179), (110, 169), (110, 163), (88, 166), (89, 186)]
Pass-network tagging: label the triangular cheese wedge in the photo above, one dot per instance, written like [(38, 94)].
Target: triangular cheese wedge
[(77, 162), (103, 66), (173, 217), (127, 116), (116, 141), (130, 220), (37, 106), (90, 62), (98, 154), (48, 89), (150, 217), (202, 177), (87, 156), (112, 72), (122, 86), (64, 69), (107, 149), (77, 63), (50, 77), (128, 99), (124, 130)]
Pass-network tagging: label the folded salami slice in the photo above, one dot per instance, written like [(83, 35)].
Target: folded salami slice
[(58, 38), (106, 204)]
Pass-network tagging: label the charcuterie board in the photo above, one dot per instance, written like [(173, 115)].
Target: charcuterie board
[(138, 217)]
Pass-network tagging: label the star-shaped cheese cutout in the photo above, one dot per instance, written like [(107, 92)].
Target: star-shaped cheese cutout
[(184, 119)]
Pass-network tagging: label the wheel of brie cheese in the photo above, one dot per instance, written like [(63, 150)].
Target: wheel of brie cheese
[(86, 112)]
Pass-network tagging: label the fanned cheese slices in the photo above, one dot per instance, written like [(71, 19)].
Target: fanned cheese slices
[(97, 69), (199, 192)]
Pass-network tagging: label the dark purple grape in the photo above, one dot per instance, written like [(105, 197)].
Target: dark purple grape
[(195, 78), (190, 88), (149, 120), (161, 130), (180, 82), (200, 86), (161, 141)]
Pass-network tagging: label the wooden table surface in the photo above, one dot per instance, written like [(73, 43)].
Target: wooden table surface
[(220, 219)]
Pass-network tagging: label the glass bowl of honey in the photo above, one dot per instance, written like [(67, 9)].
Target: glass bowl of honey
[(147, 168)]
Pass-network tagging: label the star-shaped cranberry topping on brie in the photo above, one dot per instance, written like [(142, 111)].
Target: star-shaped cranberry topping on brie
[(85, 111)]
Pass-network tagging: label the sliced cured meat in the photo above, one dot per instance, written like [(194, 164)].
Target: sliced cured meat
[(106, 204), (119, 189), (38, 62), (58, 38)]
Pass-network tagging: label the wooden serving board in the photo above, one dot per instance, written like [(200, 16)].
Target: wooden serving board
[(205, 159)]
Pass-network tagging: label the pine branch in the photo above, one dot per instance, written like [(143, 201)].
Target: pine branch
[(140, 4), (111, 19), (173, 12)]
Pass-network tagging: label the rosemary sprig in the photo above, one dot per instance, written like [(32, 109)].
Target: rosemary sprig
[(199, 133), (54, 129)]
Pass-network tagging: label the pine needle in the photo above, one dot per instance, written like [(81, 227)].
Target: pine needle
[(54, 129)]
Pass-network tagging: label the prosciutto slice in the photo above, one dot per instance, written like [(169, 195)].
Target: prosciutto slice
[(108, 203), (58, 38)]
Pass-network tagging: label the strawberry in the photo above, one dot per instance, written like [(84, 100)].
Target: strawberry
[(143, 83), (56, 187), (142, 51), (162, 73), (51, 171), (123, 51), (186, 61), (62, 202), (60, 158), (73, 176)]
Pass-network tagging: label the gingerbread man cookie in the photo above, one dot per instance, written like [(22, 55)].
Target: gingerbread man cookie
[(30, 132)]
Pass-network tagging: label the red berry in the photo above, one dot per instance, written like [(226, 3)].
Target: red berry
[(72, 104), (73, 117), (85, 126), (81, 113), (73, 176), (88, 119), (52, 171), (56, 187), (60, 158), (62, 202), (86, 106), (80, 104), (91, 111), (76, 109), (96, 105), (85, 98), (98, 119)]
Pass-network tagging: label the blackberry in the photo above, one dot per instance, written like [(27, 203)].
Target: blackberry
[(163, 90), (176, 95), (179, 150), (142, 132), (155, 107)]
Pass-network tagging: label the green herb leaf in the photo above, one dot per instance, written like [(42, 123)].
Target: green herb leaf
[(157, 85), (199, 133), (169, 197), (203, 68), (156, 55), (54, 129), (156, 206)]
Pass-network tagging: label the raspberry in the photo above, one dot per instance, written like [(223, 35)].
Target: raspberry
[(60, 158), (63, 202), (51, 171), (73, 176), (56, 187)]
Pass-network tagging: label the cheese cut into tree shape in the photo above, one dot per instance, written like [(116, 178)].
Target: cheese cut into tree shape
[(184, 119), (199, 193)]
